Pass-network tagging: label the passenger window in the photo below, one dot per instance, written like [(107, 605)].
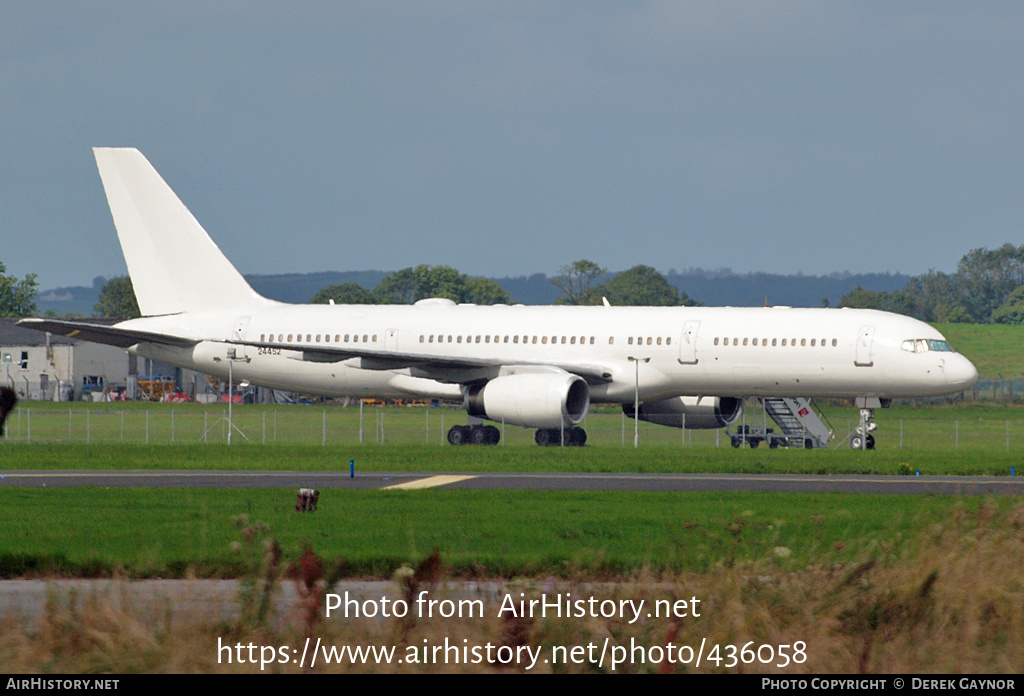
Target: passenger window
[(611, 340), (487, 339), (775, 342), (812, 342), (649, 340), (803, 341), (630, 340), (744, 341), (668, 341), (421, 338), (659, 340), (318, 338), (834, 343), (337, 338), (563, 339), (534, 339), (544, 339), (572, 341), (592, 339), (458, 339), (716, 340)]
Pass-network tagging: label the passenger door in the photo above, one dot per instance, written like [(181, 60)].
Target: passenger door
[(865, 339), (688, 343)]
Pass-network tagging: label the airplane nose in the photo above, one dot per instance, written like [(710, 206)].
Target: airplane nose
[(961, 374)]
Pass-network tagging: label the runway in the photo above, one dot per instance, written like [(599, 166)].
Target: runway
[(781, 483)]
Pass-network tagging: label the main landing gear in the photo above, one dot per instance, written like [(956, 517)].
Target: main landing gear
[(474, 435), (490, 435), (862, 437), (574, 437)]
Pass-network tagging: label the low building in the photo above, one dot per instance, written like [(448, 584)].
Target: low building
[(43, 366)]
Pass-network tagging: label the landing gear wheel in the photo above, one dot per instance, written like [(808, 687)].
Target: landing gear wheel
[(857, 442), (457, 435), (493, 435), (772, 444), (754, 444), (736, 442), (478, 435), (574, 437), (546, 437)]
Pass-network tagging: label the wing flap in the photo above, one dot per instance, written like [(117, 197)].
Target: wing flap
[(375, 359)]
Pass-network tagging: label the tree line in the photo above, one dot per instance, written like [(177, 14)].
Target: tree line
[(987, 287)]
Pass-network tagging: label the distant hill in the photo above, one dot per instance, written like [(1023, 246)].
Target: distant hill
[(299, 288), (713, 288), (725, 288)]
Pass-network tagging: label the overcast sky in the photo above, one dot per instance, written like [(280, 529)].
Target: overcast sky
[(508, 138)]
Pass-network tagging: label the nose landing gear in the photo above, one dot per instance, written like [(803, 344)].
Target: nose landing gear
[(862, 439)]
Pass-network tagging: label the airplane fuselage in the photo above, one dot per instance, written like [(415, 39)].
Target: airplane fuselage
[(738, 352)]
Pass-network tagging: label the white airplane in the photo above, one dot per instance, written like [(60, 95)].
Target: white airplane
[(538, 367)]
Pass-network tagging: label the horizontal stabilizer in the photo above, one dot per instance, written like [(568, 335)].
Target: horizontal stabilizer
[(101, 333)]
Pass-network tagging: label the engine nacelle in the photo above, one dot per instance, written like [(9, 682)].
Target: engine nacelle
[(536, 400), (701, 412)]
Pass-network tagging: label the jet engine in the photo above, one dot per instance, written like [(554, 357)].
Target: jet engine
[(701, 412), (537, 400)]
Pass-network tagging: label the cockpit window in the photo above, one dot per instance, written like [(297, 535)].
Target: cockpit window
[(923, 345)]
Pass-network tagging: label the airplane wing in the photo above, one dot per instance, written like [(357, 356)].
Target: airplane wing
[(443, 368), (104, 333)]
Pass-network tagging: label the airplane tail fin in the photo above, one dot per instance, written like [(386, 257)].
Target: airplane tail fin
[(174, 265)]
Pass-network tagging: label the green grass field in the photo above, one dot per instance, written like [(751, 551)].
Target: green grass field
[(995, 349), (168, 532), (867, 583), (951, 439)]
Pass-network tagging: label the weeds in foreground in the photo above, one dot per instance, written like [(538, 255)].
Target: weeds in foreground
[(955, 605)]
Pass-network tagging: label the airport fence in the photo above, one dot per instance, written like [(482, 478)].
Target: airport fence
[(395, 425)]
